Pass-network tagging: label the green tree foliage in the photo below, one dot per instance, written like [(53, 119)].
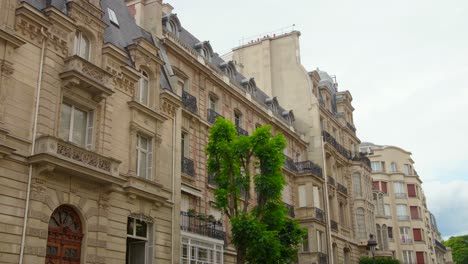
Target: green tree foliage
[(459, 246), (367, 260), (262, 233)]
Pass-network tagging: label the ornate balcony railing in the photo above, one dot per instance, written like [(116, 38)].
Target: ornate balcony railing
[(341, 188), (290, 209), (289, 163), (440, 245), (351, 127), (331, 181), (334, 225), (190, 102), (212, 115), (241, 131), (202, 225), (188, 166), (337, 146), (400, 195), (319, 215), (93, 79), (322, 258), (309, 166)]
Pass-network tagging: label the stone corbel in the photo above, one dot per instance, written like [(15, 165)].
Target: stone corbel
[(45, 169), (157, 205)]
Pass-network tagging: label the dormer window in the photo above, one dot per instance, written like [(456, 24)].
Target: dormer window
[(82, 46), (205, 53), (172, 24), (112, 17), (143, 89), (205, 50)]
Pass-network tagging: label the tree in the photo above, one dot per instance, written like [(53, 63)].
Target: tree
[(367, 260), (261, 233), (459, 246)]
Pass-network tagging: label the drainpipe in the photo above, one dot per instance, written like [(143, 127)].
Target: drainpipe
[(174, 153), (327, 207), (33, 145)]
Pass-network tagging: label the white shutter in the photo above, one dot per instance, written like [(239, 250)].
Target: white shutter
[(316, 196), (149, 162), (89, 130), (302, 196)]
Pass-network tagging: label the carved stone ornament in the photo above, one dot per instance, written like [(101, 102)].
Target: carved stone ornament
[(6, 67), (168, 108), (142, 217)]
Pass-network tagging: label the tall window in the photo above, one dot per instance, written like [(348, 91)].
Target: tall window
[(316, 197), (139, 242), (405, 234), (414, 210), (76, 125), (402, 212), (378, 198), (384, 237), (387, 209), (357, 185), (143, 89), (379, 235), (411, 190), (393, 167), (302, 196), (361, 223), (237, 119), (82, 47), (305, 242), (377, 166), (197, 251), (144, 157), (399, 189), (212, 103), (184, 145), (320, 241), (418, 234), (407, 169), (408, 257)]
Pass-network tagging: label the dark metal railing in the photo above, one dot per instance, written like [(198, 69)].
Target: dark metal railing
[(334, 225), (319, 215), (309, 166), (190, 102), (241, 131), (290, 209), (322, 258), (331, 181), (337, 146), (351, 127), (341, 188), (212, 115), (440, 245), (362, 158), (289, 163), (188, 166), (202, 225)]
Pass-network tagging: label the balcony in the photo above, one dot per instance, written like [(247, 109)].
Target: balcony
[(188, 167), (212, 115), (290, 209), (201, 225), (406, 240), (78, 72), (309, 166), (289, 163), (341, 188), (361, 157), (331, 181), (334, 225), (310, 212), (57, 154), (337, 146), (190, 102), (241, 131), (439, 245), (403, 218), (400, 195), (351, 127)]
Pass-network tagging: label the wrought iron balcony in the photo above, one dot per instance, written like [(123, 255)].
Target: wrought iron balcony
[(190, 102), (351, 127), (334, 225), (319, 215), (310, 212), (331, 181), (212, 115), (309, 166), (440, 245), (289, 163), (341, 188), (290, 209), (241, 131), (202, 225), (337, 146), (362, 158), (188, 166)]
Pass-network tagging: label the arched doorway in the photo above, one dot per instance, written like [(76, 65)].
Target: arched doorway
[(64, 237)]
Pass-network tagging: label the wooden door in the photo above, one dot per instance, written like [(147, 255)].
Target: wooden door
[(64, 237)]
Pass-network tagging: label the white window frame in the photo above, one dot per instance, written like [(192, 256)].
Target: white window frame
[(193, 246), (212, 103), (88, 141), (144, 91), (149, 241), (407, 169), (149, 156), (408, 257), (393, 167), (84, 51), (112, 16), (376, 166), (302, 194), (388, 210)]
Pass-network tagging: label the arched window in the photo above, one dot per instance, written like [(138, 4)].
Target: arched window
[(143, 89), (379, 235), (346, 256), (82, 45), (393, 167), (361, 223), (65, 235), (384, 237), (357, 185)]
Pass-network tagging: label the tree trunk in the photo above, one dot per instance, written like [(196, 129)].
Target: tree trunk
[(241, 255)]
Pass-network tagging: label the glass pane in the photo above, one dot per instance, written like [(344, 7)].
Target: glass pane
[(144, 91), (79, 127), (65, 117), (142, 166), (84, 47), (143, 143), (130, 223), (141, 228)]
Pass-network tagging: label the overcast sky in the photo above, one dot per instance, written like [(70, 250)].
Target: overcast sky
[(405, 63)]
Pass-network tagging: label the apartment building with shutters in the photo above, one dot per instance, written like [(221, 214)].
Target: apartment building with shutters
[(405, 229)]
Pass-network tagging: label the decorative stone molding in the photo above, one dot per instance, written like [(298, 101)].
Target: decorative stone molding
[(6, 68), (142, 217)]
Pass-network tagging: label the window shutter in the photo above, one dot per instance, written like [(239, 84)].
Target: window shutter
[(376, 185), (384, 187), (419, 257), (417, 234), (414, 212), (89, 130), (150, 160), (411, 190)]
